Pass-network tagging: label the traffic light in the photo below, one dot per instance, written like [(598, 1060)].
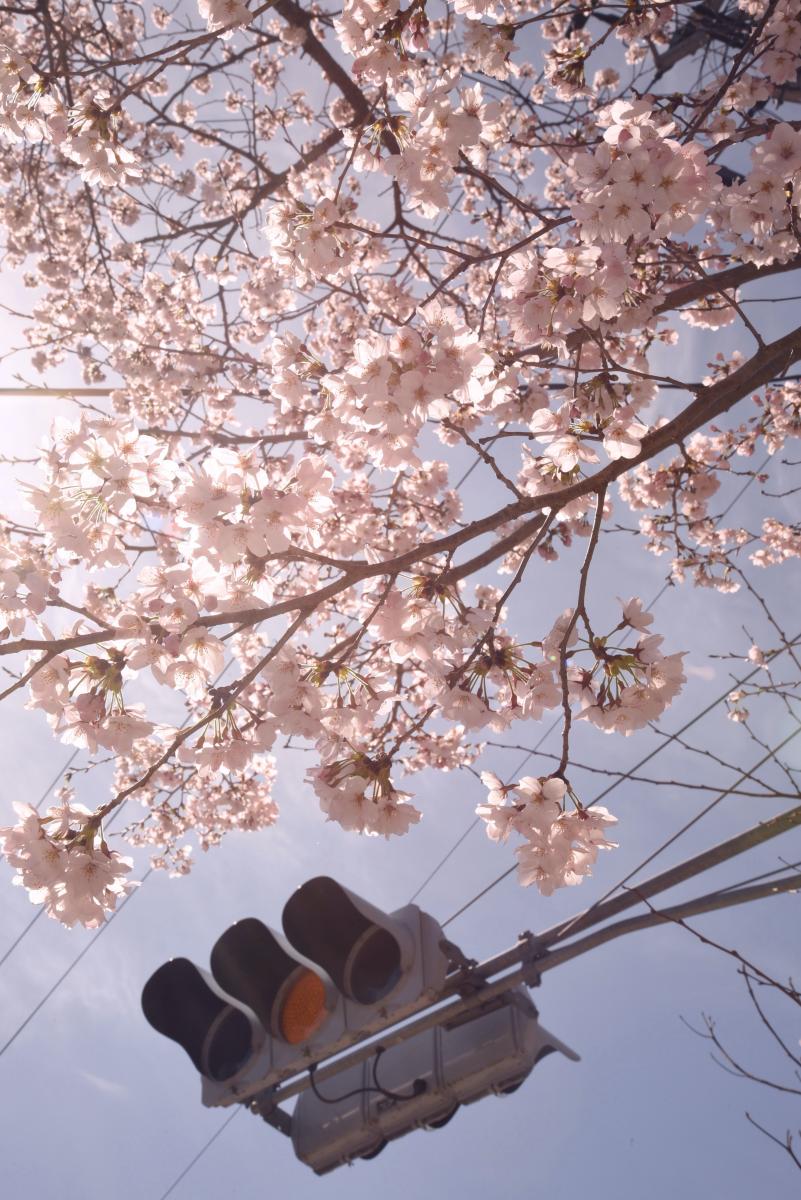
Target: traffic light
[(421, 1083), (365, 952), (183, 1003), (342, 971), (275, 1006), (290, 999)]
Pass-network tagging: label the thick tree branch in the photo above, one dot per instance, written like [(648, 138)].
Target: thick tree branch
[(711, 402)]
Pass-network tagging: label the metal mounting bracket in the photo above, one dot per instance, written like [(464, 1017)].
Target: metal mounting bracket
[(263, 1106)]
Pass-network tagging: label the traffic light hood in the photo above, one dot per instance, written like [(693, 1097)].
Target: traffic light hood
[(183, 1003), (254, 965), (365, 952)]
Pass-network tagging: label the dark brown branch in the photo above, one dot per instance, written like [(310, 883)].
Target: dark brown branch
[(711, 402)]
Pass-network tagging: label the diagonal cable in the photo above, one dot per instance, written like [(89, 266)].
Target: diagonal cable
[(71, 967), (199, 1155)]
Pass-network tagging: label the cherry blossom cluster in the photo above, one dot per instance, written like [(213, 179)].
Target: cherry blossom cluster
[(617, 689), (600, 411), (180, 802), (65, 864), (234, 508), (780, 41), (560, 845), (443, 132), (86, 132), (83, 700), (356, 791), (761, 213), (640, 182), (568, 286), (307, 243), (100, 473), (223, 16), (377, 34), (392, 386), (26, 582), (678, 493), (782, 541), (25, 100)]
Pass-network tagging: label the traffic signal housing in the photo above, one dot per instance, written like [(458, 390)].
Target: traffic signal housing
[(421, 1083), (219, 1035), (290, 999), (342, 970), (365, 952), (276, 1005)]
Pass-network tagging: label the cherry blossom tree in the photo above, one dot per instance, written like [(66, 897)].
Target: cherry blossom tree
[(308, 259)]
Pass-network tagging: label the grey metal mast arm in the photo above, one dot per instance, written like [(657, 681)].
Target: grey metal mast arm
[(530, 957)]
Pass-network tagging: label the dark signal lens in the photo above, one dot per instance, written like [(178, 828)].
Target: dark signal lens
[(374, 966), (228, 1046)]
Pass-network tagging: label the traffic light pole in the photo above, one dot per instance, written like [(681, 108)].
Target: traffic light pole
[(530, 957)]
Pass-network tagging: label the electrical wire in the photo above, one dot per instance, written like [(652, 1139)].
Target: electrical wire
[(621, 883), (63, 770), (703, 812), (116, 815), (68, 971), (199, 1154), (763, 875), (534, 750), (39, 913), (441, 862), (679, 833), (647, 758), (477, 820), (653, 602), (418, 1086), (478, 459)]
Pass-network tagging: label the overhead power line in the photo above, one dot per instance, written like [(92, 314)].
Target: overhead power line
[(199, 1154), (647, 758), (652, 604), (56, 778), (115, 817), (477, 820), (444, 859), (68, 971), (39, 913), (462, 837), (702, 813)]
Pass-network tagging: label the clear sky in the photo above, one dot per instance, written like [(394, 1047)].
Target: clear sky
[(98, 1105)]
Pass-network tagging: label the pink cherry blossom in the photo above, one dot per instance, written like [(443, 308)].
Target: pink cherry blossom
[(377, 314)]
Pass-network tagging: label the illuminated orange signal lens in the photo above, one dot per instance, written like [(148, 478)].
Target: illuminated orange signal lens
[(304, 1008)]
